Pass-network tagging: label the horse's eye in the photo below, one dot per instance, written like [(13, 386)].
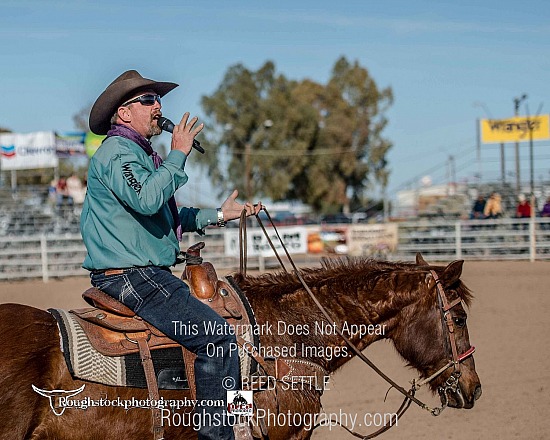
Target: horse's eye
[(460, 321)]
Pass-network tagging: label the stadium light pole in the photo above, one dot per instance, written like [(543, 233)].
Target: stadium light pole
[(517, 103), (478, 136)]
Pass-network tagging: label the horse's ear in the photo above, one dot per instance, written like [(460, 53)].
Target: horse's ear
[(420, 260), (452, 273)]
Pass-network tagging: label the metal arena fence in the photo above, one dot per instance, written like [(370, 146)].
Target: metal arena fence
[(500, 239), (59, 255), (54, 255)]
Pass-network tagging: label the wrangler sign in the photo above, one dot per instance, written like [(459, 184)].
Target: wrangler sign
[(517, 129)]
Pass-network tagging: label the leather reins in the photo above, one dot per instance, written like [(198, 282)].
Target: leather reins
[(451, 385)]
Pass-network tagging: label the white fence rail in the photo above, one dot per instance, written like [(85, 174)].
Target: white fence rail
[(502, 239), (53, 255)]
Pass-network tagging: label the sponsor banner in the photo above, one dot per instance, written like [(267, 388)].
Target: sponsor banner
[(28, 151), (294, 238), (376, 239), (70, 144), (515, 129), (334, 239), (92, 142)]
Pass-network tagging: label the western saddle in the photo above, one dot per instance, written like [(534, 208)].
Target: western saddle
[(113, 329)]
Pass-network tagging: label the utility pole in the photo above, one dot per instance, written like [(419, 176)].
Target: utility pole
[(517, 103), (502, 165), (478, 136), (266, 125), (451, 186), (385, 202), (247, 171), (531, 127), (531, 158), (478, 140)]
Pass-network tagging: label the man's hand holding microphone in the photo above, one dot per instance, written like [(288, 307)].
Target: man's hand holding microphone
[(183, 134), (183, 139)]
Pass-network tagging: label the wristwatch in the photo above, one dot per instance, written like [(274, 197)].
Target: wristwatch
[(221, 222)]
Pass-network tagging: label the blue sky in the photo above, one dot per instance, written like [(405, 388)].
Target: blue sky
[(448, 63)]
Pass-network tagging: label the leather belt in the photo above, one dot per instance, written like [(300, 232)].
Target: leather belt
[(108, 272)]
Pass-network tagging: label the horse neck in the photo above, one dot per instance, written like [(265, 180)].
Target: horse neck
[(365, 310)]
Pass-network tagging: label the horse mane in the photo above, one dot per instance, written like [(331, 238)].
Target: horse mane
[(282, 283), (338, 272)]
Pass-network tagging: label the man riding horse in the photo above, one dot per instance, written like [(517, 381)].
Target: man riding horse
[(131, 228)]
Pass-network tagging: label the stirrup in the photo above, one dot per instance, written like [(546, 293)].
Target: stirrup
[(242, 431)]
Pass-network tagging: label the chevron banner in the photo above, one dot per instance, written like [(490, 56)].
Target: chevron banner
[(28, 151)]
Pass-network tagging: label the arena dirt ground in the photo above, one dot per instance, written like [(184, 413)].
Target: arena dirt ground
[(509, 324)]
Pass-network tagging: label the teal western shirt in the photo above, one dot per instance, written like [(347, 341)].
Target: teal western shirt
[(126, 221)]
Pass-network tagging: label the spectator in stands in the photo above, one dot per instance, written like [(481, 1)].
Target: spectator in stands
[(478, 209), (61, 192), (546, 213), (131, 226), (523, 209), (75, 190), (493, 207), (52, 192)]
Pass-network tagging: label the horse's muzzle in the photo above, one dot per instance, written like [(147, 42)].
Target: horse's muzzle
[(477, 392), (458, 399)]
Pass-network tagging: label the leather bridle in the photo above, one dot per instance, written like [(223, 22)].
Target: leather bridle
[(450, 385)]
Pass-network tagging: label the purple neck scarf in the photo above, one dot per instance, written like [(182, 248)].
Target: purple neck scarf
[(134, 136)]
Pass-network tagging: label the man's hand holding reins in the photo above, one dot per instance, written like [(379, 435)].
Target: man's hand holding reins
[(232, 209)]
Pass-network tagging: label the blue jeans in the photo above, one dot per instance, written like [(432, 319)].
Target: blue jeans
[(164, 301)]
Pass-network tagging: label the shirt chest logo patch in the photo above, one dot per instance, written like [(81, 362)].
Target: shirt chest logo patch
[(130, 179)]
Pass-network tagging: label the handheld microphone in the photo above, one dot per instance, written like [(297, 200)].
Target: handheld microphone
[(167, 125)]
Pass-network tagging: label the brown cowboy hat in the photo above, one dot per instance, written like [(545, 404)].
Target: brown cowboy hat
[(120, 90)]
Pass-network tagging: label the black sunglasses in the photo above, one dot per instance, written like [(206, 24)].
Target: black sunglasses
[(147, 99)]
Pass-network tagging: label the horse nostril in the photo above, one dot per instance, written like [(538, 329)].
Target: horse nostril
[(477, 392)]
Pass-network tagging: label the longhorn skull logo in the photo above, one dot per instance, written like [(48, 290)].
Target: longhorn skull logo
[(54, 395)]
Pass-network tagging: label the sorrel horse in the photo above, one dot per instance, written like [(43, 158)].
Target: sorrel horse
[(400, 299)]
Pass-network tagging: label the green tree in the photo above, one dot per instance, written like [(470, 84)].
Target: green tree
[(352, 110), (298, 140)]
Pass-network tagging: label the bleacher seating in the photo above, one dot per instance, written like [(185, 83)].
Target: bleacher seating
[(28, 211)]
